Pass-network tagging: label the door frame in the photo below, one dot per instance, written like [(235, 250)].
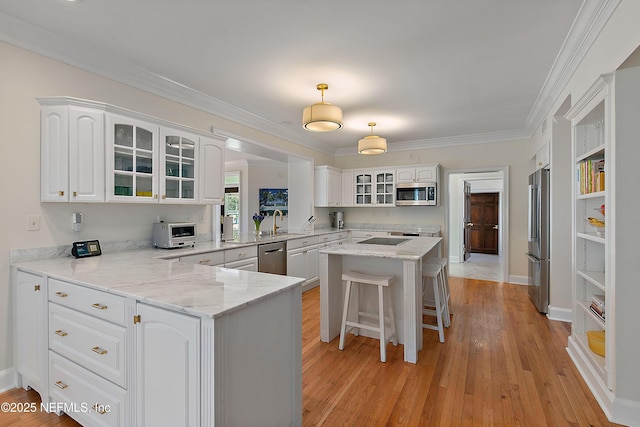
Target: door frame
[(503, 247)]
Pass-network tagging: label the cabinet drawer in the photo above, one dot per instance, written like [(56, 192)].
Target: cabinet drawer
[(93, 343), (248, 264), (231, 255), (96, 303), (339, 236), (209, 258), (357, 235), (89, 399), (300, 243)]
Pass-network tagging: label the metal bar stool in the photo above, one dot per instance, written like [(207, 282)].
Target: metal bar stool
[(433, 297), (383, 283), (445, 279)]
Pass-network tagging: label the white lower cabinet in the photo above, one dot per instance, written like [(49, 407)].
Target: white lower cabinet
[(87, 398), (302, 259), (167, 368), (88, 352), (30, 317)]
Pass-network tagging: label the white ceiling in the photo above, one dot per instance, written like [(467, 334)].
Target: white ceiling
[(424, 70)]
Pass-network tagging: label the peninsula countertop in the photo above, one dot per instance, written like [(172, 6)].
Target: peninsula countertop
[(198, 290)]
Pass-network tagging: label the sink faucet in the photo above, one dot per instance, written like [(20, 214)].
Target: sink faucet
[(275, 213)]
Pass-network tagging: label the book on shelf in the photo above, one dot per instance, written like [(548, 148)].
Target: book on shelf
[(591, 176), (597, 312), (598, 301)]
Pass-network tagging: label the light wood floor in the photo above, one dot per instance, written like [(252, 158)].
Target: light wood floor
[(503, 364)]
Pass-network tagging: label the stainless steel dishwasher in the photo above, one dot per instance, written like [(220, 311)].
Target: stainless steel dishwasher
[(272, 258)]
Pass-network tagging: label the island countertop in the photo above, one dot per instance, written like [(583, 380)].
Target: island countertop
[(198, 290), (414, 248)]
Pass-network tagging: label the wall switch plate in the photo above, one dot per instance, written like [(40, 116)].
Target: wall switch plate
[(33, 222)]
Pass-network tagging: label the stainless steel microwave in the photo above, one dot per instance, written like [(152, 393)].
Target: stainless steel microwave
[(416, 194), (174, 234)]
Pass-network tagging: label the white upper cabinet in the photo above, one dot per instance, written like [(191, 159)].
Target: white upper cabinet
[(72, 152), (178, 172), (95, 152), (132, 160), (211, 170), (347, 197), (417, 174), (328, 186), (542, 156)]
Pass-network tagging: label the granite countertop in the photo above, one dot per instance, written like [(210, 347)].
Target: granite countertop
[(413, 248), (198, 290)]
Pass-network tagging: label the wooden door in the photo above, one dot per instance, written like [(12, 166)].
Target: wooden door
[(466, 230), (484, 223)]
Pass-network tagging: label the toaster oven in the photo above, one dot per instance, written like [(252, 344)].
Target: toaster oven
[(170, 235)]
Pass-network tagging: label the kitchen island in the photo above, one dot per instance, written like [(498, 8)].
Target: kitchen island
[(403, 260), (151, 342)]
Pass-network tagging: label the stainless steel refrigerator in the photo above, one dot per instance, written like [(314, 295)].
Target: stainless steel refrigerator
[(538, 237)]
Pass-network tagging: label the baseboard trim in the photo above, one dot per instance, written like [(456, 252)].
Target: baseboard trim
[(519, 280), (559, 313), (8, 379)]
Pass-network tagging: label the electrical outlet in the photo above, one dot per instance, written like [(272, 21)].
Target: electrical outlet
[(33, 222)]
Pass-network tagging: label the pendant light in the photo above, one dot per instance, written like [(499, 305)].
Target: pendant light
[(322, 116), (372, 144)]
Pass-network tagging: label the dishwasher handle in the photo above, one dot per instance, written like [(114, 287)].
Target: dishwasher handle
[(270, 251)]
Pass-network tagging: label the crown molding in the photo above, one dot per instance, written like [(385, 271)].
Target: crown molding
[(450, 141), (57, 47), (591, 19)]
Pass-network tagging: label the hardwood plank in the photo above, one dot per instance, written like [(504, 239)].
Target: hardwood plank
[(502, 364)]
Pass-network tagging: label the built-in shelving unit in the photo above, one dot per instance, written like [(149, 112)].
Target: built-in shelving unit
[(605, 150)]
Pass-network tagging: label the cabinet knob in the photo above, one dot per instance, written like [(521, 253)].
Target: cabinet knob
[(60, 193), (75, 194), (36, 288), (164, 196)]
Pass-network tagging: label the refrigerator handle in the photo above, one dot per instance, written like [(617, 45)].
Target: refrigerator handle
[(531, 231)]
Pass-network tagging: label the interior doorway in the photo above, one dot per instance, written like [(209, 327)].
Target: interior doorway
[(477, 224)]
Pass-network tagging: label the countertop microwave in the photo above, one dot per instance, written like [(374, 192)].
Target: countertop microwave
[(170, 235), (416, 194)]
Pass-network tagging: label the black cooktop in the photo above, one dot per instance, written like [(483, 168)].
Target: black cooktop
[(390, 241)]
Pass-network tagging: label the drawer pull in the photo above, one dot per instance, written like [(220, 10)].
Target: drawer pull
[(100, 409), (240, 255), (61, 333), (204, 261), (99, 306), (62, 294), (61, 385), (99, 350)]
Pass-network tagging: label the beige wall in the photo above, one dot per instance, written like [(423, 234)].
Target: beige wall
[(25, 76), (514, 154)]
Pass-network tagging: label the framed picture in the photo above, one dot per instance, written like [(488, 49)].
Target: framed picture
[(272, 199)]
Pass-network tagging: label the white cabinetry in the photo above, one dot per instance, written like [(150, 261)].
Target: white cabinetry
[(211, 166), (360, 235), (302, 259), (364, 188), (328, 186), (245, 258), (385, 188), (168, 368), (208, 258), (71, 151), (417, 174), (88, 351), (178, 169), (605, 130), (30, 336), (348, 195), (542, 156)]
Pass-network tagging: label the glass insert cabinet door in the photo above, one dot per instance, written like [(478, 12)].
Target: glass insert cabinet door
[(179, 167), (384, 188), (134, 156), (364, 188)]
